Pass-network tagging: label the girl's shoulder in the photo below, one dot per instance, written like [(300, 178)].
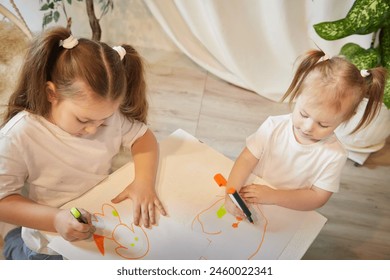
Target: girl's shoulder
[(15, 124), (276, 123), (23, 123), (278, 120), (333, 144)]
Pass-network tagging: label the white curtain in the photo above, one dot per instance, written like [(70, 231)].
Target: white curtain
[(250, 43)]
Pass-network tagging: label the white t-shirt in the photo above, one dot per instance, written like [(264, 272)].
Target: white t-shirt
[(52, 167), (286, 164)]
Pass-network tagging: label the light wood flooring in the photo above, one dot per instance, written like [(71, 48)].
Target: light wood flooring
[(182, 95)]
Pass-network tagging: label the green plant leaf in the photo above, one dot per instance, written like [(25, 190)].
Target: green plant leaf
[(47, 18), (349, 49), (56, 16), (384, 46), (365, 17), (360, 57), (106, 5), (44, 7), (386, 97)]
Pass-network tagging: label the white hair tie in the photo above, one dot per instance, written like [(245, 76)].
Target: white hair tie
[(323, 58), (69, 43), (364, 73), (121, 51)]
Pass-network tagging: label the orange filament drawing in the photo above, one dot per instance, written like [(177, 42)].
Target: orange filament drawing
[(119, 234), (222, 182), (239, 219), (197, 218), (234, 226), (264, 231), (99, 241)]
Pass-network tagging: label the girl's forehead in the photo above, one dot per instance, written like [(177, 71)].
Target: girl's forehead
[(84, 94), (322, 111), (93, 109)]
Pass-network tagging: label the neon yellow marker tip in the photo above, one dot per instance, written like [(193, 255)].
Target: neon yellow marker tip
[(76, 213)]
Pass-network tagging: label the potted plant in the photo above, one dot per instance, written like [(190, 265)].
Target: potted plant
[(52, 8), (364, 17)]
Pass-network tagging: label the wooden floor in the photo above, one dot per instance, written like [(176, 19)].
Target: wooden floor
[(182, 95)]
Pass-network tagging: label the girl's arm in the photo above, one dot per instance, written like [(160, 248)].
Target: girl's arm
[(303, 199), (242, 168), (18, 210), (142, 190)]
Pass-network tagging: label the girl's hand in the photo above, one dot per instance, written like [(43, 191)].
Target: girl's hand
[(144, 202), (70, 228), (257, 194), (232, 208)]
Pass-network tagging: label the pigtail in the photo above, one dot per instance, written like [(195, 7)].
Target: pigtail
[(135, 104), (30, 91), (308, 62), (375, 85)]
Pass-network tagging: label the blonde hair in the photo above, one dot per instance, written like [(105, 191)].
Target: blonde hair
[(338, 82), (95, 63)]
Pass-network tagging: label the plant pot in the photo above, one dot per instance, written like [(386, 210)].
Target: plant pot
[(370, 138)]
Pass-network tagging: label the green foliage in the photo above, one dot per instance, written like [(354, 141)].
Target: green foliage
[(362, 58), (364, 17), (52, 9)]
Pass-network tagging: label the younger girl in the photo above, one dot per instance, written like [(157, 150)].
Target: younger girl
[(298, 154), (76, 103)]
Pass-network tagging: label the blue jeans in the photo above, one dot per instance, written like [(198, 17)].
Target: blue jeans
[(16, 249)]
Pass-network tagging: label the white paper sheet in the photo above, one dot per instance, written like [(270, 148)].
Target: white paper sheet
[(197, 226)]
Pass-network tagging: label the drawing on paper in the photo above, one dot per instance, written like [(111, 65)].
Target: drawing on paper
[(128, 242), (217, 225)]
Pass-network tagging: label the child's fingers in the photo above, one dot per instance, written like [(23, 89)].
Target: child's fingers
[(86, 215), (232, 208), (246, 189), (152, 214), (137, 214), (78, 231), (120, 197), (160, 207), (145, 215), (79, 235), (249, 191)]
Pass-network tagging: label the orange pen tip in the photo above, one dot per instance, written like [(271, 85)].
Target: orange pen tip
[(231, 190)]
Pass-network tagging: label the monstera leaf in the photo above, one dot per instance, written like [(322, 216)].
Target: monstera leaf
[(365, 17)]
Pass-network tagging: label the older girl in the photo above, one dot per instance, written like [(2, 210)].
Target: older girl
[(76, 103)]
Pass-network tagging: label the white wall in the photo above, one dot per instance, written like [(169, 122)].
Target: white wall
[(129, 22)]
